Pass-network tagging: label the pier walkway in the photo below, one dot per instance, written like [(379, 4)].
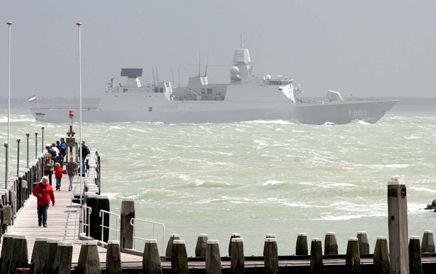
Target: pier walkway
[(62, 223)]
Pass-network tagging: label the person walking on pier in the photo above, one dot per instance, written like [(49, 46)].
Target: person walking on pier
[(48, 166), (72, 170), (85, 151), (58, 174), (44, 193)]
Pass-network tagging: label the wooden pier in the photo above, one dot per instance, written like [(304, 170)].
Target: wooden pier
[(85, 247)]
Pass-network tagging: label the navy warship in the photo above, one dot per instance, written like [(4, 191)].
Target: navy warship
[(245, 98)]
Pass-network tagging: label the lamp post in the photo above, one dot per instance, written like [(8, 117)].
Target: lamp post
[(9, 94), (42, 136), (27, 136), (36, 145), (79, 24), (6, 166), (18, 156)]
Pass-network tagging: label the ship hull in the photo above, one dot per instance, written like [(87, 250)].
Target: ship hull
[(219, 112)]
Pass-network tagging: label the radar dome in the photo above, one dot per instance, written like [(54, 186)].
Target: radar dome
[(234, 70), (268, 77)]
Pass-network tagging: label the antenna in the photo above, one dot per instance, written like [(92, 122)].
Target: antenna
[(154, 81), (207, 62), (242, 41), (199, 62), (179, 73), (157, 75), (172, 74)]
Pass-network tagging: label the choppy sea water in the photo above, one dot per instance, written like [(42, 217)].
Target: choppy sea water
[(258, 177)]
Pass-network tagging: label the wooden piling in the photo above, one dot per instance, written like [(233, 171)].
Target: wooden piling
[(270, 256), (6, 249), (316, 263), (63, 258), (151, 263), (213, 257), (126, 230), (179, 258), (381, 256), (398, 226), (301, 247), (330, 244), (52, 244), (113, 257), (103, 203), (415, 265), (89, 261), (172, 238), (427, 245), (91, 201), (39, 255), (362, 238), (234, 235), (19, 254), (352, 261), (237, 258), (200, 248)]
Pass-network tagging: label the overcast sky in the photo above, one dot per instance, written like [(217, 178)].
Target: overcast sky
[(364, 48)]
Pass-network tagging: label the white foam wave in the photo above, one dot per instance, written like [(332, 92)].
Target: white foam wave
[(423, 189), (272, 182)]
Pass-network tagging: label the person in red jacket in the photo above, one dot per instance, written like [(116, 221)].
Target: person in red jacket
[(44, 193), (58, 174)]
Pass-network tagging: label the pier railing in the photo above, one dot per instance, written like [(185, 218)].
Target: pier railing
[(137, 231), (109, 228)]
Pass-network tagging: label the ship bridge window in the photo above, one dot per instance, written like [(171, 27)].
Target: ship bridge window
[(209, 91), (161, 90), (203, 91)]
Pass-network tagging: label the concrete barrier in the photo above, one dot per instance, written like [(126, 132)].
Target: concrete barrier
[(270, 256), (301, 247), (113, 258), (200, 248), (213, 257), (151, 263), (316, 263)]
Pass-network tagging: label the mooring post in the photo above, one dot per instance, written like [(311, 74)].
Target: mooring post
[(234, 235), (316, 256), (428, 242), (415, 265), (39, 254), (36, 145), (89, 261), (52, 250), (19, 255), (200, 248), (270, 255), (330, 244), (398, 226), (27, 136), (238, 259), (169, 250), (42, 139), (213, 257), (362, 238), (126, 230), (301, 247), (381, 256), (113, 257), (151, 263), (179, 258), (6, 249), (63, 258), (352, 261)]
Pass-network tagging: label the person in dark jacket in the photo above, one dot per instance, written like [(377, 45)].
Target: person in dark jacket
[(72, 170), (44, 193), (85, 151)]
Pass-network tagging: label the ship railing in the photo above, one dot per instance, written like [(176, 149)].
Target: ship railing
[(113, 218), (135, 223), (86, 213)]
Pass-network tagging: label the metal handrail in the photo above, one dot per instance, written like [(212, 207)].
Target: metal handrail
[(132, 223), (87, 220), (102, 213)]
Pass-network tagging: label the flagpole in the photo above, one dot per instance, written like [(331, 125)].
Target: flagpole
[(80, 125), (9, 100)]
